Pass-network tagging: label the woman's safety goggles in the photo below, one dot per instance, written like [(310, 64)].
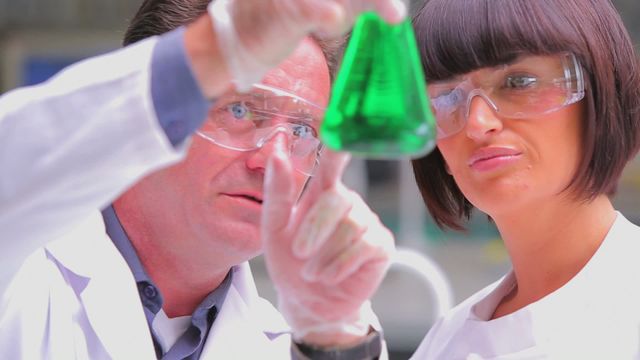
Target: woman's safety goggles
[(530, 86), (247, 121)]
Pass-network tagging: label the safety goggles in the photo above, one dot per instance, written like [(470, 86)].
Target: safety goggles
[(247, 121), (530, 86)]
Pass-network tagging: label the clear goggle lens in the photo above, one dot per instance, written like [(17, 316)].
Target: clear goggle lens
[(245, 122), (530, 86)]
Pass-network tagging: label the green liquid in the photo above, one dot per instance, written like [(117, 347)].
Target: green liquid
[(379, 107)]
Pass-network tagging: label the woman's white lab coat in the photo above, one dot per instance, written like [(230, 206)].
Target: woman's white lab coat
[(596, 315), (67, 148)]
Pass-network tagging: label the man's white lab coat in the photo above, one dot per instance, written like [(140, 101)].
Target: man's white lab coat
[(77, 299), (68, 148), (72, 145)]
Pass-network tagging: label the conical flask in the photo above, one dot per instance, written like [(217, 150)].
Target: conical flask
[(379, 106)]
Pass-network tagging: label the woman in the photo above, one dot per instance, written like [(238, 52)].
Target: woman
[(538, 111)]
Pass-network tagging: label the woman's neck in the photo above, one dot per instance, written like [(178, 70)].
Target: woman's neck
[(549, 244)]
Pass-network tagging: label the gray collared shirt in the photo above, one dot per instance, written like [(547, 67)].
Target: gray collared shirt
[(190, 344)]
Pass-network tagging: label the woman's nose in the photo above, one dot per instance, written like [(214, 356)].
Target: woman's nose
[(482, 120)]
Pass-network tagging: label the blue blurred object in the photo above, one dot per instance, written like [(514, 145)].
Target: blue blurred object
[(37, 69)]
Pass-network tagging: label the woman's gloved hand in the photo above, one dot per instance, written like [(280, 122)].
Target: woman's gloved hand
[(326, 253), (257, 35)]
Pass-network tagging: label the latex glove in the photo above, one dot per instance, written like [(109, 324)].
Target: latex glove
[(326, 254), (256, 35)]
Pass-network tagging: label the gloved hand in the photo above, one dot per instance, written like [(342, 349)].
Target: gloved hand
[(326, 253), (257, 35)]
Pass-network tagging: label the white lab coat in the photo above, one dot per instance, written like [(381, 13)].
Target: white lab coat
[(596, 315), (71, 145), (77, 299), (67, 148)]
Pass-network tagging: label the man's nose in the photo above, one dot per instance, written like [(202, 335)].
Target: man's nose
[(278, 141), (482, 120)]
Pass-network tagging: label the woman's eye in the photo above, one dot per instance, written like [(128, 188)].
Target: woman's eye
[(448, 99), (520, 81), (238, 110)]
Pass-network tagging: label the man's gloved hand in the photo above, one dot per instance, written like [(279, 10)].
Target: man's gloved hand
[(257, 35), (326, 253)]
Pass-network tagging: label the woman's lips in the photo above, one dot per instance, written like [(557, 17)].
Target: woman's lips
[(492, 158)]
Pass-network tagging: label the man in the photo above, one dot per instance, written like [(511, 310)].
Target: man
[(183, 236)]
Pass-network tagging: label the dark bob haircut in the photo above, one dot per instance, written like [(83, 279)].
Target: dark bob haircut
[(458, 36), (156, 17)]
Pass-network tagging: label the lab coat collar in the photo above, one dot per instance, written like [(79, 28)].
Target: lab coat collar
[(108, 292), (247, 325)]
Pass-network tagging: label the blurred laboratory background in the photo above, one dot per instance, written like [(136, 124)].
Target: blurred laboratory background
[(39, 37)]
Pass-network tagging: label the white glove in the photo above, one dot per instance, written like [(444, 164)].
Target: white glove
[(326, 253), (256, 35)]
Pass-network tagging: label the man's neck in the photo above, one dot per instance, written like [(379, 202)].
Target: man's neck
[(181, 291), (183, 282)]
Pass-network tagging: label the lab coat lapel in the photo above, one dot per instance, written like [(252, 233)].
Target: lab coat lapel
[(123, 328), (110, 297), (244, 328)]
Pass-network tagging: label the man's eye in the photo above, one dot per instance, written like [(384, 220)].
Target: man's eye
[(238, 110), (303, 131), (520, 82)]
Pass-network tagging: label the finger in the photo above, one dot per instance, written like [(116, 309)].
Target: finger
[(327, 176), (279, 191), (345, 233), (325, 14), (393, 11), (374, 240), (320, 221), (330, 168), (333, 17), (351, 260)]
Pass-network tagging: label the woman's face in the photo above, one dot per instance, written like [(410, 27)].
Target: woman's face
[(502, 163)]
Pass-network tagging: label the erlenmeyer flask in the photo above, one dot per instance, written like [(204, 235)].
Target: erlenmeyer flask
[(379, 107)]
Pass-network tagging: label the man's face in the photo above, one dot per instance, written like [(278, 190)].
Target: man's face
[(211, 202)]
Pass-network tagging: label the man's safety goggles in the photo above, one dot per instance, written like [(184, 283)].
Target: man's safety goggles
[(245, 122), (532, 85)]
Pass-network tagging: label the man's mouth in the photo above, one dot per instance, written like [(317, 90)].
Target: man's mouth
[(252, 198)]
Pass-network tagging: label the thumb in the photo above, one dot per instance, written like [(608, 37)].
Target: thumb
[(279, 191)]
